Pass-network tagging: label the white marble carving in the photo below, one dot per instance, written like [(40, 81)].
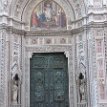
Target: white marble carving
[(15, 88), (85, 17), (16, 82), (3, 5)]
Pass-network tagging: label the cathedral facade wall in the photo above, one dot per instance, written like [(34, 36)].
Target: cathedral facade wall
[(83, 41)]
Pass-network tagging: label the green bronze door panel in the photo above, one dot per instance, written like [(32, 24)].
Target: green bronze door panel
[(49, 80)]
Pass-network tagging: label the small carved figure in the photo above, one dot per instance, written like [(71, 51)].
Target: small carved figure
[(15, 88), (82, 84), (3, 5), (16, 82)]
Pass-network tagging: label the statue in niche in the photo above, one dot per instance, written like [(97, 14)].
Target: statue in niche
[(15, 88), (82, 84), (16, 82)]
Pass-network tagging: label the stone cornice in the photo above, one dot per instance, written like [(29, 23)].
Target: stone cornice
[(12, 29), (97, 24), (76, 26), (53, 32), (48, 33), (16, 31)]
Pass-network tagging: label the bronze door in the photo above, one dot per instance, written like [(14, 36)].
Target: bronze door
[(49, 80)]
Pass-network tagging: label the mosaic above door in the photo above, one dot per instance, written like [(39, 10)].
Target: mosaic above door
[(48, 15)]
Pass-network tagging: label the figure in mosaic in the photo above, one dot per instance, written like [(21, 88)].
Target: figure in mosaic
[(48, 15)]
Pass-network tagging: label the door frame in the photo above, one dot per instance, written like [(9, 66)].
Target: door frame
[(67, 50)]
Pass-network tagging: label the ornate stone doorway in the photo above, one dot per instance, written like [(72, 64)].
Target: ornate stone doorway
[(49, 80)]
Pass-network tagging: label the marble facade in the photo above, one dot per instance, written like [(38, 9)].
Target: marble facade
[(84, 42)]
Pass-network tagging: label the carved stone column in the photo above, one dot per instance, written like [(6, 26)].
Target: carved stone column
[(92, 67), (3, 69), (105, 43)]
